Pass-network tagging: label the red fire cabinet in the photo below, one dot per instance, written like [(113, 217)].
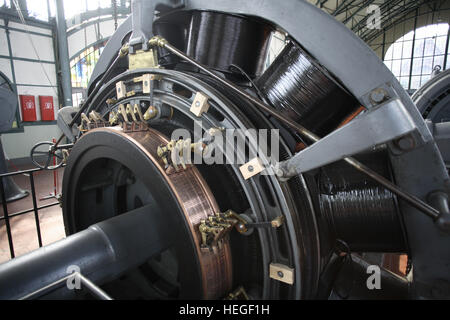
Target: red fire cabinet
[(46, 105), (28, 108)]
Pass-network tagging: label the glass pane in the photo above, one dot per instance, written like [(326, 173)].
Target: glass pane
[(92, 4), (440, 45), (423, 32), (409, 36), (448, 62), (418, 48), (427, 65), (404, 81), (388, 64), (72, 8), (415, 82), (396, 65), (438, 61), (406, 66), (105, 3), (5, 3), (95, 4), (397, 50), (38, 9), (429, 47), (417, 66), (442, 29), (407, 49), (424, 80), (388, 55)]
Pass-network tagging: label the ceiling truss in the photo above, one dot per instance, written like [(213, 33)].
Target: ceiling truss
[(355, 13)]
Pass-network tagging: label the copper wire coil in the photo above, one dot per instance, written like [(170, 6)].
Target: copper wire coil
[(302, 90), (198, 203)]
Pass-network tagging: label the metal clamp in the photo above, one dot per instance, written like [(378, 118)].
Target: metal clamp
[(214, 229), (282, 273), (175, 152), (238, 294)]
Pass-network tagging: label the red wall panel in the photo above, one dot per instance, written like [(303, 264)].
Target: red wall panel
[(28, 106), (46, 106)]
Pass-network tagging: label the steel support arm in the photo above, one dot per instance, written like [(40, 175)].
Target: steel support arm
[(379, 125)]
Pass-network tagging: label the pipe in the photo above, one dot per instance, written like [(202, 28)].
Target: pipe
[(102, 252)]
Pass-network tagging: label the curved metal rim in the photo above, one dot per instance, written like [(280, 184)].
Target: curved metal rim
[(361, 72), (215, 268), (251, 187), (425, 96)]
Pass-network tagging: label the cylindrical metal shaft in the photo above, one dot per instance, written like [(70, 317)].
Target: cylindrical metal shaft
[(101, 252), (63, 54)]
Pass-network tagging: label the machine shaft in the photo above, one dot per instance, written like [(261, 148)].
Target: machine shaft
[(102, 252)]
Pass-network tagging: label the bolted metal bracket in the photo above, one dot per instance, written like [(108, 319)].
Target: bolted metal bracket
[(280, 272), (121, 90), (251, 168), (200, 104), (143, 59), (238, 294)]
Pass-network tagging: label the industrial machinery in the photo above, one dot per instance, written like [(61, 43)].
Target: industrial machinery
[(358, 172), (8, 102)]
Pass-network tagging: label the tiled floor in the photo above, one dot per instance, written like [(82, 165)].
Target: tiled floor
[(24, 227)]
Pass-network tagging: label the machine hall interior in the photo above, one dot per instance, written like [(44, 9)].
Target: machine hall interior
[(224, 149)]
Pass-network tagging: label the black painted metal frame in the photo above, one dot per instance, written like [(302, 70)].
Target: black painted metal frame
[(6, 216)]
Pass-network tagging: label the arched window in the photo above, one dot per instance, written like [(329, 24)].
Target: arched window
[(82, 65), (81, 68), (413, 57)]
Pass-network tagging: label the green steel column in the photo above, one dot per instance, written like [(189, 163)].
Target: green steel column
[(63, 54)]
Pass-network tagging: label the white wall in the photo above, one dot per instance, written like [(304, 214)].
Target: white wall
[(30, 80), (18, 145)]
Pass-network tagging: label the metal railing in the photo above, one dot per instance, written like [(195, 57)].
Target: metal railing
[(91, 287), (6, 216)]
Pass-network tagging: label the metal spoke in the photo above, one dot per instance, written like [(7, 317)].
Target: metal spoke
[(411, 199)]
